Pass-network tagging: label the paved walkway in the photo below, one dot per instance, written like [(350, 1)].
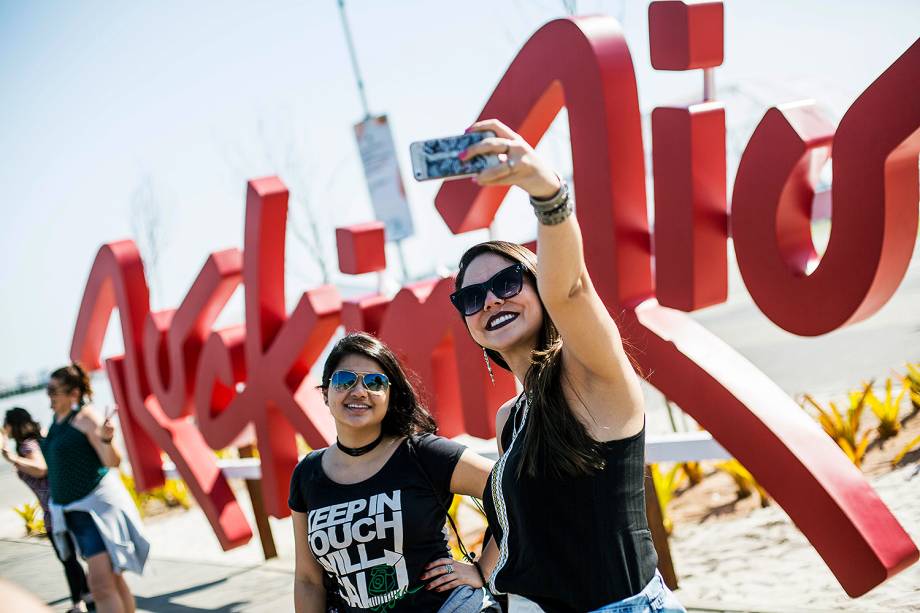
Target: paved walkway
[(757, 564), (168, 585)]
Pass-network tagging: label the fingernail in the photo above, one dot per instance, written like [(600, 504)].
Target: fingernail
[(462, 155), (468, 130)]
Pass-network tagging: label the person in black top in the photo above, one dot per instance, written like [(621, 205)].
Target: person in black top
[(79, 452), (566, 500), (369, 512)]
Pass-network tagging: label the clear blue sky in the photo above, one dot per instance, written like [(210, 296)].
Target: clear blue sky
[(99, 99)]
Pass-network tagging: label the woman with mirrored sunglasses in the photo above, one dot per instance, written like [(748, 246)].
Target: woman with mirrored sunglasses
[(566, 500), (369, 512)]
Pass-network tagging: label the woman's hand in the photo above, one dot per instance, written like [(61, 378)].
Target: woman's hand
[(99, 432), (107, 430), (520, 165), (447, 574)]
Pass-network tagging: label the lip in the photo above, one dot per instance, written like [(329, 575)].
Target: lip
[(489, 324), (356, 407)]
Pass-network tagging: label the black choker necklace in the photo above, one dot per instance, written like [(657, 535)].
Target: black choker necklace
[(356, 451)]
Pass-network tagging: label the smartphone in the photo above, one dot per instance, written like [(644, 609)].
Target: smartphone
[(436, 158)]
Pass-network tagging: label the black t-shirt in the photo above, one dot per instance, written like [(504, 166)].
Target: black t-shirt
[(375, 537)]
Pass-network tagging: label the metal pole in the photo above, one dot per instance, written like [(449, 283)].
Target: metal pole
[(354, 59), (709, 84), (402, 260)]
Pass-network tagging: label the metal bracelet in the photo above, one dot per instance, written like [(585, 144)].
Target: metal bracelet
[(543, 206)]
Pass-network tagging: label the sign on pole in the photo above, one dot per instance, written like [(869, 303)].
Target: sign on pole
[(384, 180)]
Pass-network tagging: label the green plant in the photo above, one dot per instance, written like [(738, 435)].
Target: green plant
[(744, 480), (887, 410), (914, 444), (29, 513), (845, 429), (666, 483)]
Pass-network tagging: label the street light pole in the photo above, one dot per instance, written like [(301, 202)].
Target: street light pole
[(354, 59)]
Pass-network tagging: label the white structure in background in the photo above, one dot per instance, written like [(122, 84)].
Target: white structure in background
[(384, 179)]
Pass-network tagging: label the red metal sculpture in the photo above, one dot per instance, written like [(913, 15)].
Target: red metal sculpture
[(184, 390), (585, 64)]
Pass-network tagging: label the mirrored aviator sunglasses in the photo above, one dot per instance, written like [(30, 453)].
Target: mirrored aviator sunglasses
[(504, 284), (344, 380)]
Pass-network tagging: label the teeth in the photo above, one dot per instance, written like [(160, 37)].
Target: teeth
[(500, 320), (357, 406)]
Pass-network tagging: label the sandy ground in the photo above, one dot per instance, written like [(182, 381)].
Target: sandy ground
[(762, 561)]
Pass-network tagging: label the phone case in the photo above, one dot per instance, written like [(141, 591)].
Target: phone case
[(436, 158)]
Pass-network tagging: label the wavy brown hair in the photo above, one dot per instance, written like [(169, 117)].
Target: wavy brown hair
[(556, 442), (405, 414)]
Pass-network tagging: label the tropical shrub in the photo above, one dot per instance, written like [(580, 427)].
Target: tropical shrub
[(845, 429), (30, 512), (887, 410)]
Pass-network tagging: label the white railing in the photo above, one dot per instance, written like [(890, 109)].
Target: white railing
[(680, 447)]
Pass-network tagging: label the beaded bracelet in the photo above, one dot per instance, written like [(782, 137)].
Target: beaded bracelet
[(558, 215)]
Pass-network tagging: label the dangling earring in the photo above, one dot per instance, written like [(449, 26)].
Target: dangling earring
[(485, 356)]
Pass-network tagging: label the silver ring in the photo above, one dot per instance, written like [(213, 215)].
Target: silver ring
[(450, 568)]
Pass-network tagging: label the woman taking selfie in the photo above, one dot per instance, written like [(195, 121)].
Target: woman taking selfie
[(30, 466), (88, 501), (369, 512), (566, 499)]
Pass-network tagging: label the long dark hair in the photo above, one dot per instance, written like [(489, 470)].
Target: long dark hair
[(22, 426), (405, 414), (75, 377), (556, 441)]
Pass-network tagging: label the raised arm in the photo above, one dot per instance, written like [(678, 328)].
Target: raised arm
[(593, 349)]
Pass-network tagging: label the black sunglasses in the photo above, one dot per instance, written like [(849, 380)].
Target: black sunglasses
[(504, 284), (344, 380)]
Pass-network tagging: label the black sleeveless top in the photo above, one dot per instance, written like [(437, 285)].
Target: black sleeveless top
[(570, 544), (74, 467)]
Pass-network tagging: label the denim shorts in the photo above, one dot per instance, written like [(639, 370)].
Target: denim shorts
[(83, 528), (464, 599), (654, 598)]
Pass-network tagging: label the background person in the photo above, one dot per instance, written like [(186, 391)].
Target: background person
[(566, 499), (29, 463), (87, 499), (370, 510)]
